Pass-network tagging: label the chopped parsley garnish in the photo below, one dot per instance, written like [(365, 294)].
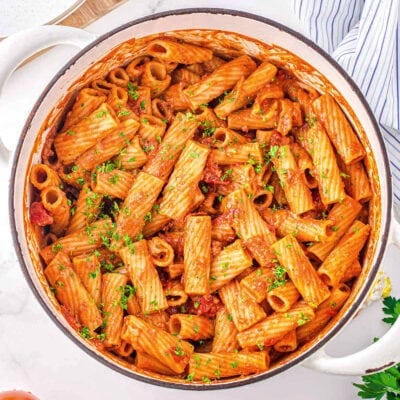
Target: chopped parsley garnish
[(85, 332), (311, 121), (258, 168), (260, 346), (190, 377), (208, 128), (148, 148), (269, 188), (178, 351), (303, 319), (228, 173), (123, 113), (132, 91), (101, 114), (194, 154), (114, 179), (204, 188), (280, 273), (56, 247), (148, 217), (93, 274), (126, 293), (269, 155)]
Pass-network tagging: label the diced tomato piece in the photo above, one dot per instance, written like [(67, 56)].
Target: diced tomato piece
[(39, 215)]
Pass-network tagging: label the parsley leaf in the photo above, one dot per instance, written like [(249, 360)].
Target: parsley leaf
[(85, 332), (133, 91), (280, 278), (208, 128), (391, 308), (228, 173), (384, 383)]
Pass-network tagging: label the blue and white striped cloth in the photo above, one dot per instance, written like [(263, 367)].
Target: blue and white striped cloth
[(363, 36)]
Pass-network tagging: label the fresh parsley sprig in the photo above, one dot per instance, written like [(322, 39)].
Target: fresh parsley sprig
[(392, 309), (387, 382), (380, 384)]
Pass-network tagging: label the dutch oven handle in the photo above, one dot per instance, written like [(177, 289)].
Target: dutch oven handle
[(376, 357), (17, 48)]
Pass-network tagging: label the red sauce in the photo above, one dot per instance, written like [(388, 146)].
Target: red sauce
[(150, 147), (134, 105), (216, 248), (267, 104), (213, 174), (39, 215), (48, 153), (17, 395), (175, 239), (98, 343), (332, 312), (229, 217), (260, 286), (207, 305), (178, 354), (71, 319), (278, 140), (319, 205), (269, 342), (223, 219)]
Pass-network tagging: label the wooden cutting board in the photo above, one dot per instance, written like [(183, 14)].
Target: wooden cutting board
[(90, 11)]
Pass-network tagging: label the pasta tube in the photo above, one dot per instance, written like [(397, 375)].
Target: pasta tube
[(144, 276), (197, 254), (300, 270), (71, 293), (171, 351)]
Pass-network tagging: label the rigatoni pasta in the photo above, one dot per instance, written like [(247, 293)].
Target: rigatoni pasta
[(300, 270), (201, 213), (197, 255), (112, 290), (71, 293)]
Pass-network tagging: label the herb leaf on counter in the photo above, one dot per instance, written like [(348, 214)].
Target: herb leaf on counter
[(387, 382), (391, 308)]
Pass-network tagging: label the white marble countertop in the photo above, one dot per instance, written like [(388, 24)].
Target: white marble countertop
[(35, 356)]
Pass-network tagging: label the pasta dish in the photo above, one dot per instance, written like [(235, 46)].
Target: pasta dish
[(201, 216)]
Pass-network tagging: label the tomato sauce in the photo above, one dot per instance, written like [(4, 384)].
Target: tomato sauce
[(17, 395)]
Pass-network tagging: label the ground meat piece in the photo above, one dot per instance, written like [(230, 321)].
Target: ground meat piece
[(213, 173), (216, 248), (207, 305), (279, 140), (175, 239)]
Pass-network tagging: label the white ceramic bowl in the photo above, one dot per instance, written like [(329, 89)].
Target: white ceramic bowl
[(319, 70)]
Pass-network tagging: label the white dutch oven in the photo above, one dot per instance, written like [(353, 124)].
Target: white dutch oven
[(110, 49)]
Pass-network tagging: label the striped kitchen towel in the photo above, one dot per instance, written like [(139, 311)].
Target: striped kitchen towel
[(363, 36)]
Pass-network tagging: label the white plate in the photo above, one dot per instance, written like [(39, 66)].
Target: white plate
[(17, 15)]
